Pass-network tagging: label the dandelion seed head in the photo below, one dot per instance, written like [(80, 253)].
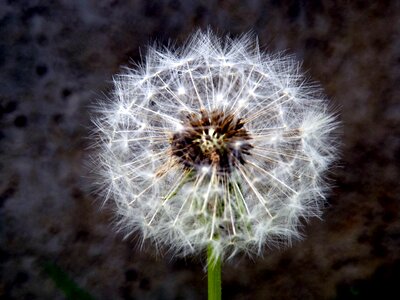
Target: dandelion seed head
[(215, 143), (181, 90)]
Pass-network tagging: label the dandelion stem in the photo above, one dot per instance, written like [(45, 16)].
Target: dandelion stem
[(213, 274)]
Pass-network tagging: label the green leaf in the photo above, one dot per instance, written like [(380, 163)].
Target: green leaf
[(70, 289)]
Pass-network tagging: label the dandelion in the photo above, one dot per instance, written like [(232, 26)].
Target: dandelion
[(215, 145)]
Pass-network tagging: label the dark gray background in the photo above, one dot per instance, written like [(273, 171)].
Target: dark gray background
[(56, 57)]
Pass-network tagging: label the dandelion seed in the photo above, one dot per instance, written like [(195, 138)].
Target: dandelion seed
[(181, 90), (215, 143)]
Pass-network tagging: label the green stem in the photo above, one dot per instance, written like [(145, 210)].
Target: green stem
[(214, 275)]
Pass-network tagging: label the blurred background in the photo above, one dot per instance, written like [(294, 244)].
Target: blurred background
[(58, 57)]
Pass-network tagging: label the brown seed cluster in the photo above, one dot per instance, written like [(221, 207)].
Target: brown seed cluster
[(211, 138)]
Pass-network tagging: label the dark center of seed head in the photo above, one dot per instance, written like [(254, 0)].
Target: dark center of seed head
[(211, 139)]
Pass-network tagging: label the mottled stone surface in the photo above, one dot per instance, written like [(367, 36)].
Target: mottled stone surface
[(56, 57)]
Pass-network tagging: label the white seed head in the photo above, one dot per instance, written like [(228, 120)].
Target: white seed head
[(215, 143)]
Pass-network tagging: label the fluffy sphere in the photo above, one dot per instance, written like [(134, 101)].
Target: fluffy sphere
[(215, 143)]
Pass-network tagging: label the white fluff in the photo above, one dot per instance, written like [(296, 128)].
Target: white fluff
[(259, 203)]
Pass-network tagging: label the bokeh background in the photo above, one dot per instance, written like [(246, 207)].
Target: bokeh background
[(57, 57)]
